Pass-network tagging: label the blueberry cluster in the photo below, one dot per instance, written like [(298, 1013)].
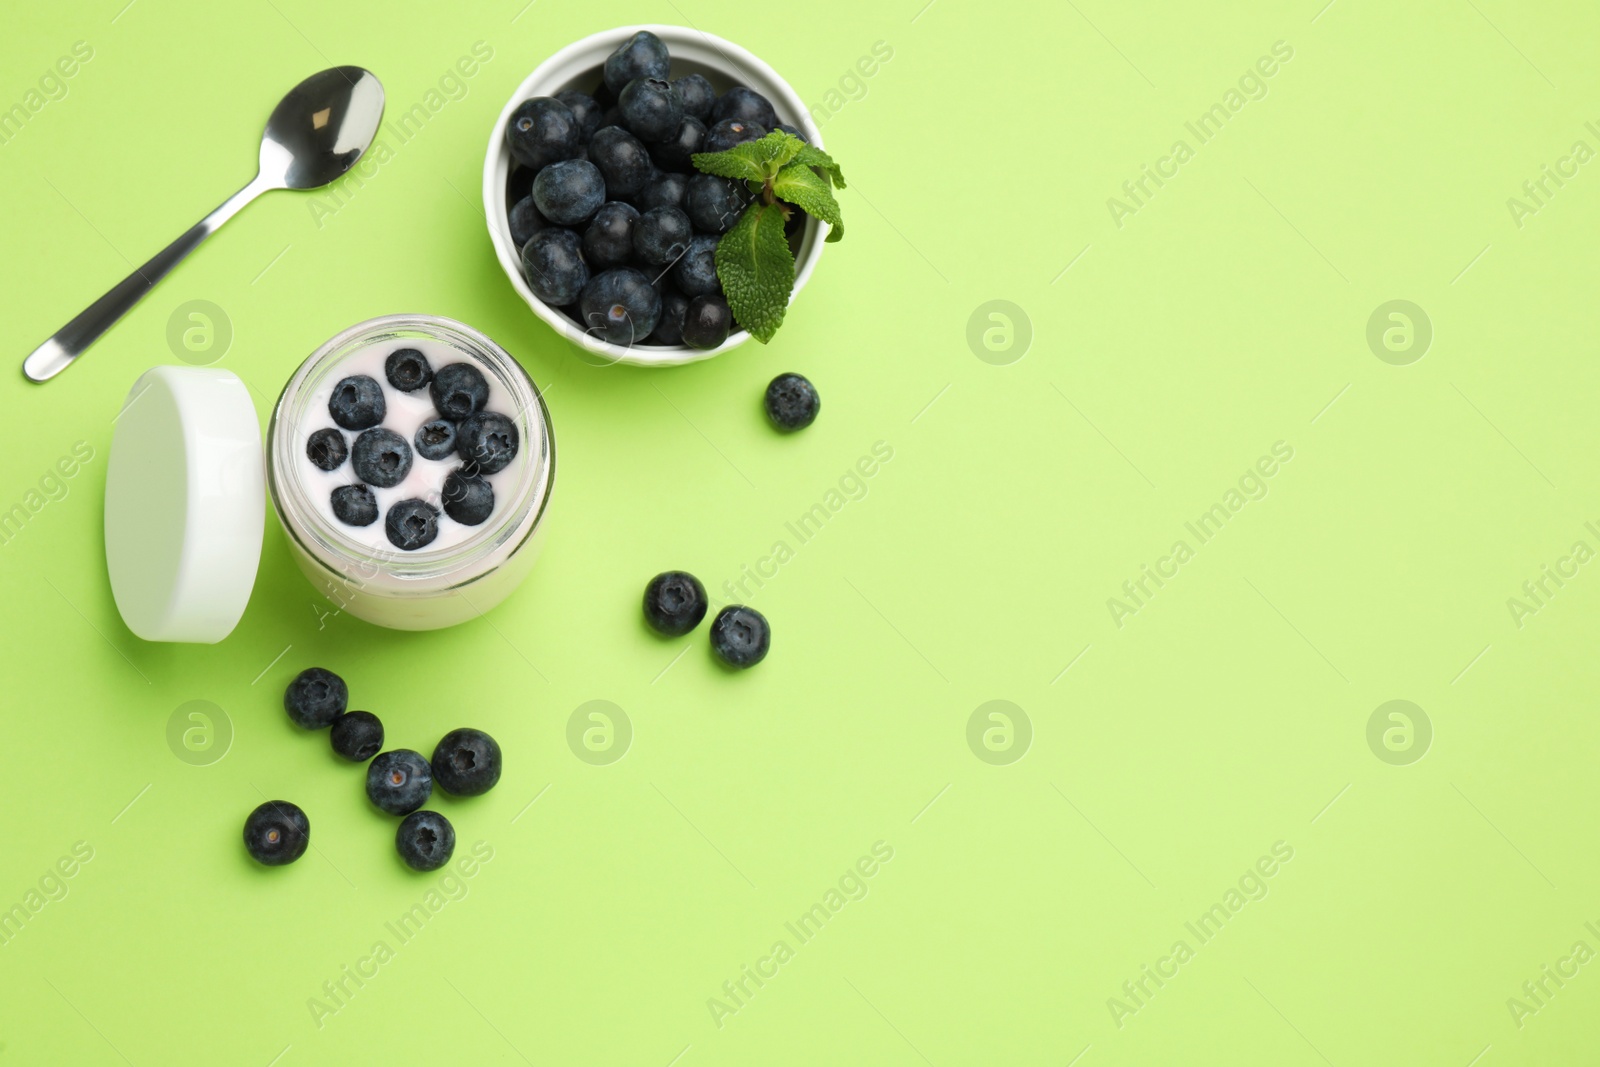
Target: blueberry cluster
[(484, 441), (675, 602), (465, 763), (614, 224)]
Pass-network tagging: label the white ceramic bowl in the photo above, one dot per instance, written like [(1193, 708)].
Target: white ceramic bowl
[(577, 66)]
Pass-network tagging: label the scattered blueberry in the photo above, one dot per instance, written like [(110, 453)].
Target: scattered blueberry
[(525, 221), (696, 94), (726, 133), (568, 192), (467, 498), (466, 763), (425, 840), (696, 273), (608, 240), (435, 439), (792, 402), (651, 109), (585, 109), (458, 390), (662, 235), (399, 781), (744, 104), (622, 159), (381, 457), (665, 190), (354, 505), (277, 833), (542, 131), (487, 440), (620, 306), (669, 328), (553, 264), (707, 322), (714, 204), (357, 736), (674, 602), (315, 698), (740, 636), (407, 370), (326, 449), (411, 524), (641, 56), (357, 402)]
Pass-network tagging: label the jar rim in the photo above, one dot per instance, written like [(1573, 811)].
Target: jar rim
[(430, 568)]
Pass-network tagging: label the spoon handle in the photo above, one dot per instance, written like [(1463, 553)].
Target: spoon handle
[(69, 342)]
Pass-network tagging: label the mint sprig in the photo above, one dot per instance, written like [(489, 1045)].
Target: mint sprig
[(754, 262)]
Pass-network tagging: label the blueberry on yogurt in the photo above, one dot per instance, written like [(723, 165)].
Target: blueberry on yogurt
[(381, 457), (411, 524), (487, 441), (326, 449), (357, 403), (354, 505), (436, 439), (407, 370), (458, 390), (467, 498)]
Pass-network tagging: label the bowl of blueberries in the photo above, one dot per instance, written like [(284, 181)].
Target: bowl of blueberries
[(596, 210)]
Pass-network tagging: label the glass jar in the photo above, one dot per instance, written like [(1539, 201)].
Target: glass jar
[(431, 587)]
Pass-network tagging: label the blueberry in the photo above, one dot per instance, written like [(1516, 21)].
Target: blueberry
[(622, 159), (740, 636), (696, 273), (399, 781), (458, 390), (277, 833), (425, 840), (326, 449), (357, 402), (640, 56), (466, 763), (357, 736), (568, 192), (792, 402), (411, 524), (792, 131), (525, 221), (609, 117), (608, 240), (665, 190), (435, 439), (467, 497), (407, 370), (676, 154), (726, 133), (542, 131), (487, 440), (519, 183), (650, 109), (585, 108), (714, 203), (381, 457), (553, 264), (744, 105), (696, 94), (620, 306), (674, 602), (662, 235), (669, 328), (354, 505), (315, 698), (707, 322)]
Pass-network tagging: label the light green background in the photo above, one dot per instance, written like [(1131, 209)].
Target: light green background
[(1228, 313)]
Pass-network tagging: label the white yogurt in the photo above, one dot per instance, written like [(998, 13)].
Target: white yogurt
[(404, 413)]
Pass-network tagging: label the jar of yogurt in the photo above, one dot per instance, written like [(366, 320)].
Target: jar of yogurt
[(410, 461)]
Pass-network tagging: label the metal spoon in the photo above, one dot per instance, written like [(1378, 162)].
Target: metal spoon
[(316, 133)]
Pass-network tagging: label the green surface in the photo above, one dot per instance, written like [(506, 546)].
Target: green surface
[(1169, 749)]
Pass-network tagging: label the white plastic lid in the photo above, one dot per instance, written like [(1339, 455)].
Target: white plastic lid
[(185, 504)]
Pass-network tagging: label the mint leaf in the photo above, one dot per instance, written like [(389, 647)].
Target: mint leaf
[(809, 191), (754, 161), (816, 157), (757, 270)]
